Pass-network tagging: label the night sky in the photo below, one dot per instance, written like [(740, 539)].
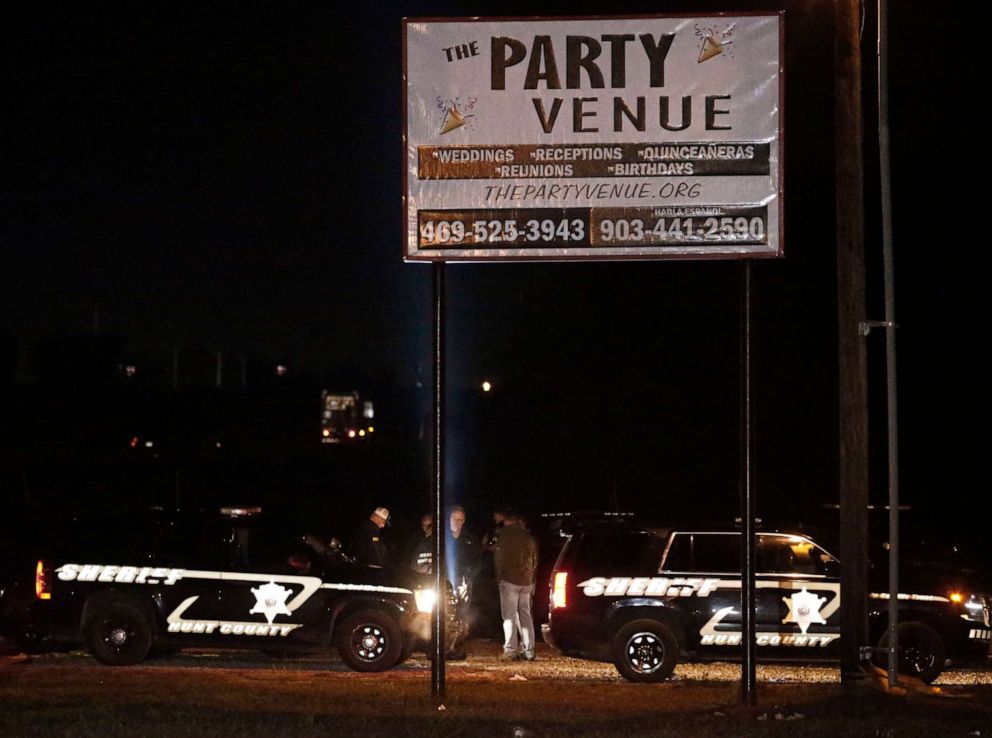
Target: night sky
[(228, 177)]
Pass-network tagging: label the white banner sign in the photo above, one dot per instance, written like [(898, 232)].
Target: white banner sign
[(601, 139)]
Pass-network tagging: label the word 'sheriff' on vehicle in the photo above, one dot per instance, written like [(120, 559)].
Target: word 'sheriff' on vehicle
[(645, 598), (231, 580)]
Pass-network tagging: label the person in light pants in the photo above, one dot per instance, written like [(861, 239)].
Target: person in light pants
[(515, 557)]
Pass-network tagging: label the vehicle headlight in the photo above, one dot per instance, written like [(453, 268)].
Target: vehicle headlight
[(426, 599), (974, 608)]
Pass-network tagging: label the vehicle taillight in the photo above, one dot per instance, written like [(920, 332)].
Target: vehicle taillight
[(42, 582), (558, 598)]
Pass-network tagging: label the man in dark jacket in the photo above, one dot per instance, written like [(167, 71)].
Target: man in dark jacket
[(462, 554), (462, 551), (368, 547), (515, 557), (421, 555)]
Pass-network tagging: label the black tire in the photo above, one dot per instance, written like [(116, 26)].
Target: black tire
[(118, 634), (370, 641), (921, 651), (645, 651)]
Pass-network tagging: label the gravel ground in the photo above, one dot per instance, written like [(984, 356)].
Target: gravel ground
[(552, 665), (482, 663)]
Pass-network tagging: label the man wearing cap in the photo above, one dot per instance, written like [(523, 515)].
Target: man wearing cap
[(368, 546)]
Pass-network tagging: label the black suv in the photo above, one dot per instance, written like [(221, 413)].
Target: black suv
[(224, 580), (645, 597)]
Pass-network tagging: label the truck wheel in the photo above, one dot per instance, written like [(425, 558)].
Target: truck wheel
[(118, 634), (921, 651), (645, 651), (370, 641)]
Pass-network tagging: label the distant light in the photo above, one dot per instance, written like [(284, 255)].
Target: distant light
[(325, 433), (371, 429), (361, 433), (149, 444), (218, 444), (130, 370), (281, 370), (133, 443), (351, 434), (239, 512), (487, 386), (957, 597)]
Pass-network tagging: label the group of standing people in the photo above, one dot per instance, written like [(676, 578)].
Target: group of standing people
[(514, 557)]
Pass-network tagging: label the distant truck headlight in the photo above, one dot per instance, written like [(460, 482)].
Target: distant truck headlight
[(426, 599)]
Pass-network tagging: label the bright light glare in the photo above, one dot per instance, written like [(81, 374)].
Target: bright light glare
[(41, 582), (487, 386), (558, 598), (957, 597), (425, 599)]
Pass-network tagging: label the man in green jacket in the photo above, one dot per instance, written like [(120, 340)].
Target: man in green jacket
[(515, 558)]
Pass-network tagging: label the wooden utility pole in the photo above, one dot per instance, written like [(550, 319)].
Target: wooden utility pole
[(853, 371)]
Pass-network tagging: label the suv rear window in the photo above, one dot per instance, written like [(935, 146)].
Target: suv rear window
[(613, 552), (710, 553)]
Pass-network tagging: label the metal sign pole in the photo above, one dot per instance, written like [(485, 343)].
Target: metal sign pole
[(749, 694), (437, 489)]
